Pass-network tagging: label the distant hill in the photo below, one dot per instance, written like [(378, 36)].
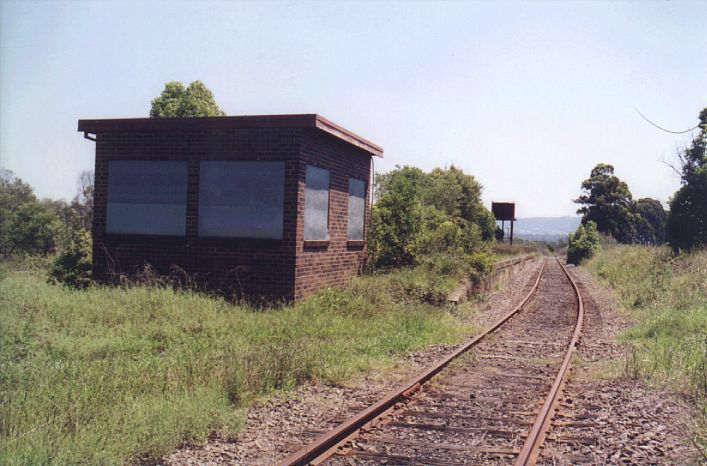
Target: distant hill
[(545, 228)]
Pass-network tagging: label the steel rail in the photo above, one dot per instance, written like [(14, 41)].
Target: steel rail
[(325, 445), (531, 448)]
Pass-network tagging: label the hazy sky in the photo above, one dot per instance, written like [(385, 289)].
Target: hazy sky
[(527, 97)]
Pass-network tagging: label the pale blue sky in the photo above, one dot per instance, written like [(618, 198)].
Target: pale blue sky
[(527, 97)]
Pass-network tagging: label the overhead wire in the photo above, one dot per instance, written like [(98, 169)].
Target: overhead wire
[(666, 130)]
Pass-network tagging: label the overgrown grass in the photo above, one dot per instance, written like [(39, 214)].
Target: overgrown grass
[(667, 295), (505, 250), (124, 375)]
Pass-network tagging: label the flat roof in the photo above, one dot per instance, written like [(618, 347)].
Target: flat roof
[(306, 120)]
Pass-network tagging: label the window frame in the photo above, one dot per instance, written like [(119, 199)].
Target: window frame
[(142, 236), (316, 243), (356, 241), (246, 240)]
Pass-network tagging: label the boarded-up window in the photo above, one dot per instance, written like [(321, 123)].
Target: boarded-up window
[(316, 204), (147, 197), (241, 199), (357, 200)]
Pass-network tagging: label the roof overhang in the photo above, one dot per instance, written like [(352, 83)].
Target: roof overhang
[(309, 120)]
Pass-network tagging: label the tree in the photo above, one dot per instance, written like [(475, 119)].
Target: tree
[(72, 266), (31, 228), (196, 100), (459, 195), (650, 221), (78, 214), (396, 217), (419, 214), (26, 224), (583, 243), (13, 193), (687, 220), (607, 201)]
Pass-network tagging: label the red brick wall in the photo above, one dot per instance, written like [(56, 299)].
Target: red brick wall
[(269, 268), (254, 267), (332, 263)]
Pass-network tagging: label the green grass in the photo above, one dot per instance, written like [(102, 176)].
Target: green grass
[(124, 375), (667, 296), (505, 250)]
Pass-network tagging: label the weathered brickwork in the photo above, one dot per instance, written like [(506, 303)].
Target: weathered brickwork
[(333, 262), (274, 269)]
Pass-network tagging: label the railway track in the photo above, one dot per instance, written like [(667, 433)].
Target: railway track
[(489, 402)]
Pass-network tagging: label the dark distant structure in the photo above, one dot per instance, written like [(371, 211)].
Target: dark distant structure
[(271, 207), (505, 211)]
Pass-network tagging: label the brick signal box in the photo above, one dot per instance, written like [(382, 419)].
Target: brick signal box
[(271, 207)]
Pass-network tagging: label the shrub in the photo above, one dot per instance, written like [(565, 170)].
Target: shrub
[(72, 267), (436, 277), (420, 286), (479, 263), (419, 214), (583, 243)]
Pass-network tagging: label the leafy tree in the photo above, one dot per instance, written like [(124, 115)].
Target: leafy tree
[(72, 266), (650, 221), (459, 195), (583, 243), (26, 224), (31, 228), (196, 100), (607, 201), (13, 193), (418, 215), (687, 220), (396, 217)]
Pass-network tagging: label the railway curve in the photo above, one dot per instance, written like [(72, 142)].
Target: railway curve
[(489, 402)]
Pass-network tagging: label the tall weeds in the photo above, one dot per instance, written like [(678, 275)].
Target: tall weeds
[(667, 295), (125, 374)]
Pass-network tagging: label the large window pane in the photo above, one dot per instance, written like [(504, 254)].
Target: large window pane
[(357, 202), (147, 197), (241, 199), (316, 204)]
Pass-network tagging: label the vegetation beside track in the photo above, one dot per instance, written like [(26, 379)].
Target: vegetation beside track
[(667, 297), (120, 375)]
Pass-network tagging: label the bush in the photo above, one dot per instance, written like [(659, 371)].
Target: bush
[(419, 285), (72, 267), (396, 217), (419, 214), (435, 277), (583, 243)]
